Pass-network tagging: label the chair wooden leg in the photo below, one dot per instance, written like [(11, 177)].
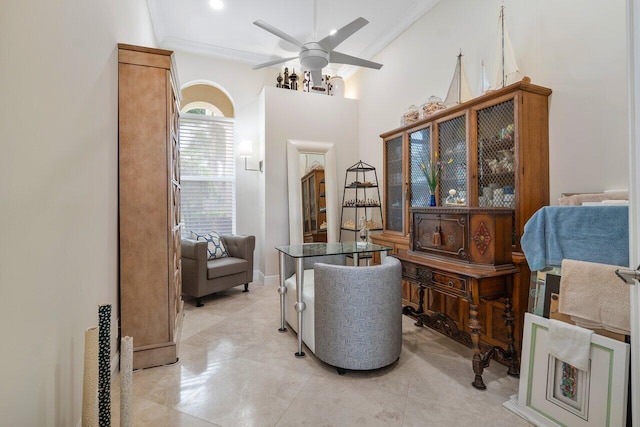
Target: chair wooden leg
[(246, 287), (199, 302)]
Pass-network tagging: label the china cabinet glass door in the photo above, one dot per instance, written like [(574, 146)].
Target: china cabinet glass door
[(496, 158), (393, 185), (419, 154), (452, 150)]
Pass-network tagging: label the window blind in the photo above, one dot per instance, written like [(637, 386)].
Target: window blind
[(207, 174)]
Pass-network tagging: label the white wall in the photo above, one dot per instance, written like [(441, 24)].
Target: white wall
[(306, 117), (243, 85), (58, 252), (575, 47)]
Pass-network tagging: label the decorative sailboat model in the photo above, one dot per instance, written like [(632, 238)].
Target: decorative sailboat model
[(485, 86), (459, 89), (507, 70)]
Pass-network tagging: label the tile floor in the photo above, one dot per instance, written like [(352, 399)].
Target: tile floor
[(236, 369)]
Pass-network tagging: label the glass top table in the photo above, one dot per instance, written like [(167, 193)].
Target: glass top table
[(301, 251), (341, 248)]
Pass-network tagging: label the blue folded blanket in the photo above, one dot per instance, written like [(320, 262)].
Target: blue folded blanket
[(584, 233)]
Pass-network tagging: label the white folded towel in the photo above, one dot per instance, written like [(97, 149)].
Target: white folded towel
[(592, 292), (616, 202), (584, 323), (570, 343)]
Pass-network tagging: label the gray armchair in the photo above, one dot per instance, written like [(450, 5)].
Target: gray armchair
[(201, 277), (358, 315)]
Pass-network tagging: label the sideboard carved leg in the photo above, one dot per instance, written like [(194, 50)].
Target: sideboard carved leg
[(478, 364), (421, 296), (420, 306), (509, 319)]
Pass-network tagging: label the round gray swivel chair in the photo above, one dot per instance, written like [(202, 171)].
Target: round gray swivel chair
[(358, 315)]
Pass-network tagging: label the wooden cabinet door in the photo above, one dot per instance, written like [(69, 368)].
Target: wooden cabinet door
[(453, 153), (394, 186), (495, 141), (420, 157)]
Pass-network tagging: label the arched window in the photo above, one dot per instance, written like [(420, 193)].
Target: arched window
[(203, 108), (207, 165)]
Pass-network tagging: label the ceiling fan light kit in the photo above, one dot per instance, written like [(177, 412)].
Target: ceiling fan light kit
[(313, 56)]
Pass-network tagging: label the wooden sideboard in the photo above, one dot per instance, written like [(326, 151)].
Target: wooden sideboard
[(459, 259)]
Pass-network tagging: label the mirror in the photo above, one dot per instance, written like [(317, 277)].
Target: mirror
[(295, 149)]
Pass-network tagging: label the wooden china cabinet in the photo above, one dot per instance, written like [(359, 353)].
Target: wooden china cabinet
[(494, 151), (314, 207)]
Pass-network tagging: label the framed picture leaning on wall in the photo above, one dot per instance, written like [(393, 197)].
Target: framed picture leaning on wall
[(555, 393)]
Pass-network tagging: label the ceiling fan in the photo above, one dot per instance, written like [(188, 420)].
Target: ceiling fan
[(314, 56)]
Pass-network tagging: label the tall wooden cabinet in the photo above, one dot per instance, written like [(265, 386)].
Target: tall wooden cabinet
[(494, 149), (314, 207), (149, 204)]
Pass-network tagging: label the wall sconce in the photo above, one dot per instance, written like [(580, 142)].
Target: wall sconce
[(246, 150)]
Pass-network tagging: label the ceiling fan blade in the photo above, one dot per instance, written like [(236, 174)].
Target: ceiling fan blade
[(316, 78), (274, 62), (273, 30), (341, 58), (330, 42)]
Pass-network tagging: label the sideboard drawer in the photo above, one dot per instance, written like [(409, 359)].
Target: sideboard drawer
[(450, 283), (409, 271)]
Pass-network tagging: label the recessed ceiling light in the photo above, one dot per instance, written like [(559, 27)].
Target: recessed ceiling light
[(216, 4), (332, 32)]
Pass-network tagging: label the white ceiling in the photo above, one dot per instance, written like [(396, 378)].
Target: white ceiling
[(193, 26)]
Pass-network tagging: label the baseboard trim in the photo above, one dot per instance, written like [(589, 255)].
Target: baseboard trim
[(272, 280), (259, 277)]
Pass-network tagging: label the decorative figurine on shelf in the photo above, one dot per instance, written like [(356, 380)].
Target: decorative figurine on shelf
[(336, 86), (285, 85), (324, 88), (451, 199), (364, 232), (321, 88), (294, 79), (279, 80), (307, 81)]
